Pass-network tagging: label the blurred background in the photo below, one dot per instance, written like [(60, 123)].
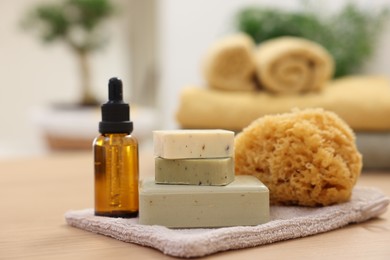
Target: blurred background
[(156, 47)]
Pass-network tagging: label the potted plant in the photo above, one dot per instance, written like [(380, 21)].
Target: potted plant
[(79, 24)]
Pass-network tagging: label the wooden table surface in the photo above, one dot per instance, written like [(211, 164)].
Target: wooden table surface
[(36, 192)]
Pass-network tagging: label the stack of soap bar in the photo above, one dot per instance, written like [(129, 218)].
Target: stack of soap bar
[(195, 185), (194, 157), (243, 202)]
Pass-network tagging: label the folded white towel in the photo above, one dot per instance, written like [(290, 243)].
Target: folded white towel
[(286, 223)]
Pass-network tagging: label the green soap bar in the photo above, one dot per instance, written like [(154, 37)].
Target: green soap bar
[(244, 202), (216, 171)]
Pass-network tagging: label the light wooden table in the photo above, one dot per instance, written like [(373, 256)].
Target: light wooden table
[(36, 192)]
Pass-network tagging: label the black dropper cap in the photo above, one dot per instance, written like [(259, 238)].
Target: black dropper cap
[(115, 113)]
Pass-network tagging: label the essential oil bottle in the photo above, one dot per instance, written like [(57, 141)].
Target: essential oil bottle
[(116, 158)]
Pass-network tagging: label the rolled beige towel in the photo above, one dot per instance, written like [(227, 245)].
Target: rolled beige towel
[(288, 65), (229, 64)]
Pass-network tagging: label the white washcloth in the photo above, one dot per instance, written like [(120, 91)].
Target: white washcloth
[(286, 223)]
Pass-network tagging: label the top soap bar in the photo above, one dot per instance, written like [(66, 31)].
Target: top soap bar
[(184, 144)]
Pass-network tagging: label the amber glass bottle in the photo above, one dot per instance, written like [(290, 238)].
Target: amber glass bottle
[(116, 159)]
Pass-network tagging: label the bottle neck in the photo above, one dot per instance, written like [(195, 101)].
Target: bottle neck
[(115, 134)]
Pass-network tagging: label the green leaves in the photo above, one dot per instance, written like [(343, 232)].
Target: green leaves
[(350, 35), (263, 24), (53, 21), (89, 13), (74, 21)]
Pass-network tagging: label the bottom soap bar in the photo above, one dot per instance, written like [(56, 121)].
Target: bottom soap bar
[(244, 202)]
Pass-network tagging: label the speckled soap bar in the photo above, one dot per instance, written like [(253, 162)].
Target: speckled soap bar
[(244, 202), (207, 171), (181, 144)]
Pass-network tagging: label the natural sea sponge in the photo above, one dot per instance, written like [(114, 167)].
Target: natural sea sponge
[(307, 157)]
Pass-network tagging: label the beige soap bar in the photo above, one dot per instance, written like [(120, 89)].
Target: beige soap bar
[(243, 202), (207, 171), (181, 144)]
